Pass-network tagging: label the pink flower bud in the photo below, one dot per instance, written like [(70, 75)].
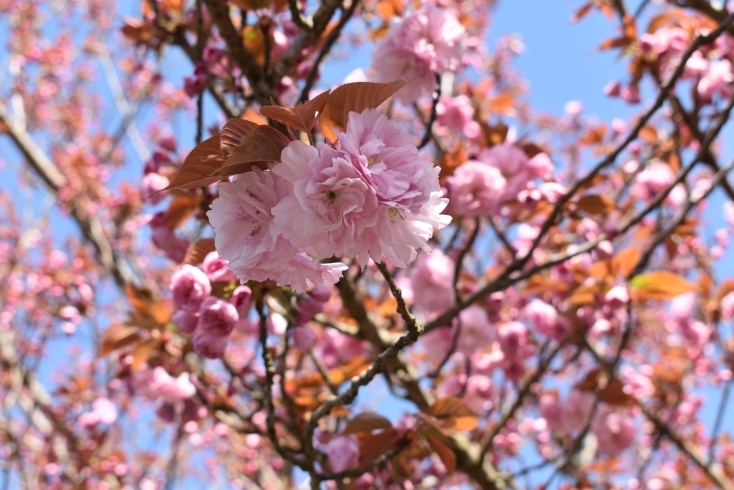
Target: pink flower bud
[(321, 293), (727, 306), (209, 346), (190, 286), (217, 317), (307, 308), (614, 433), (186, 321), (513, 338), (168, 143), (152, 183), (105, 410), (617, 296), (242, 300), (432, 282), (343, 453), (166, 412), (541, 166), (216, 268), (303, 337), (612, 89), (170, 389), (631, 94)]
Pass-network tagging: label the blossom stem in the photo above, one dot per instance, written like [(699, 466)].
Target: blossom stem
[(414, 328), (434, 113)]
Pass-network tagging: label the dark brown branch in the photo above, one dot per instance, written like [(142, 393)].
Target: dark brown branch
[(434, 113), (512, 273), (488, 437), (413, 327), (328, 44), (307, 38), (719, 478), (219, 10), (297, 15), (90, 224), (482, 472), (708, 158)]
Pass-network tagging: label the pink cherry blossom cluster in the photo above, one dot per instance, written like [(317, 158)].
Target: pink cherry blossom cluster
[(498, 175), (210, 319), (709, 68), (427, 42), (614, 430), (373, 196)]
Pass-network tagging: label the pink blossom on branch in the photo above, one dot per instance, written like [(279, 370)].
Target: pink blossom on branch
[(217, 317), (190, 287), (432, 281), (374, 196), (343, 453), (248, 237)]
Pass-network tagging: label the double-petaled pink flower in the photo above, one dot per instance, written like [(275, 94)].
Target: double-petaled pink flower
[(373, 196)]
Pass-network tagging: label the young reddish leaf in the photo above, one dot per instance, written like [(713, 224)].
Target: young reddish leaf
[(352, 368), (198, 250), (531, 149), (595, 204), (595, 135), (387, 9), (453, 413), (353, 97), (602, 270), (450, 407), (584, 295), (630, 27), (448, 458), (613, 393), (379, 32), (147, 306), (616, 42), (649, 134), (117, 337), (660, 285), (492, 135), (142, 352), (181, 208), (233, 134), (261, 145), (451, 160), (607, 10), (138, 31), (372, 446), (627, 260), (169, 6), (582, 12), (302, 117), (726, 287), (366, 422), (199, 168), (503, 103)]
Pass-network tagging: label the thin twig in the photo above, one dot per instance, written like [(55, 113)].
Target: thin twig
[(543, 365), (328, 44), (413, 327)]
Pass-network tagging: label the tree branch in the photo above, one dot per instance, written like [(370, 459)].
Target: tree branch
[(90, 224)]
